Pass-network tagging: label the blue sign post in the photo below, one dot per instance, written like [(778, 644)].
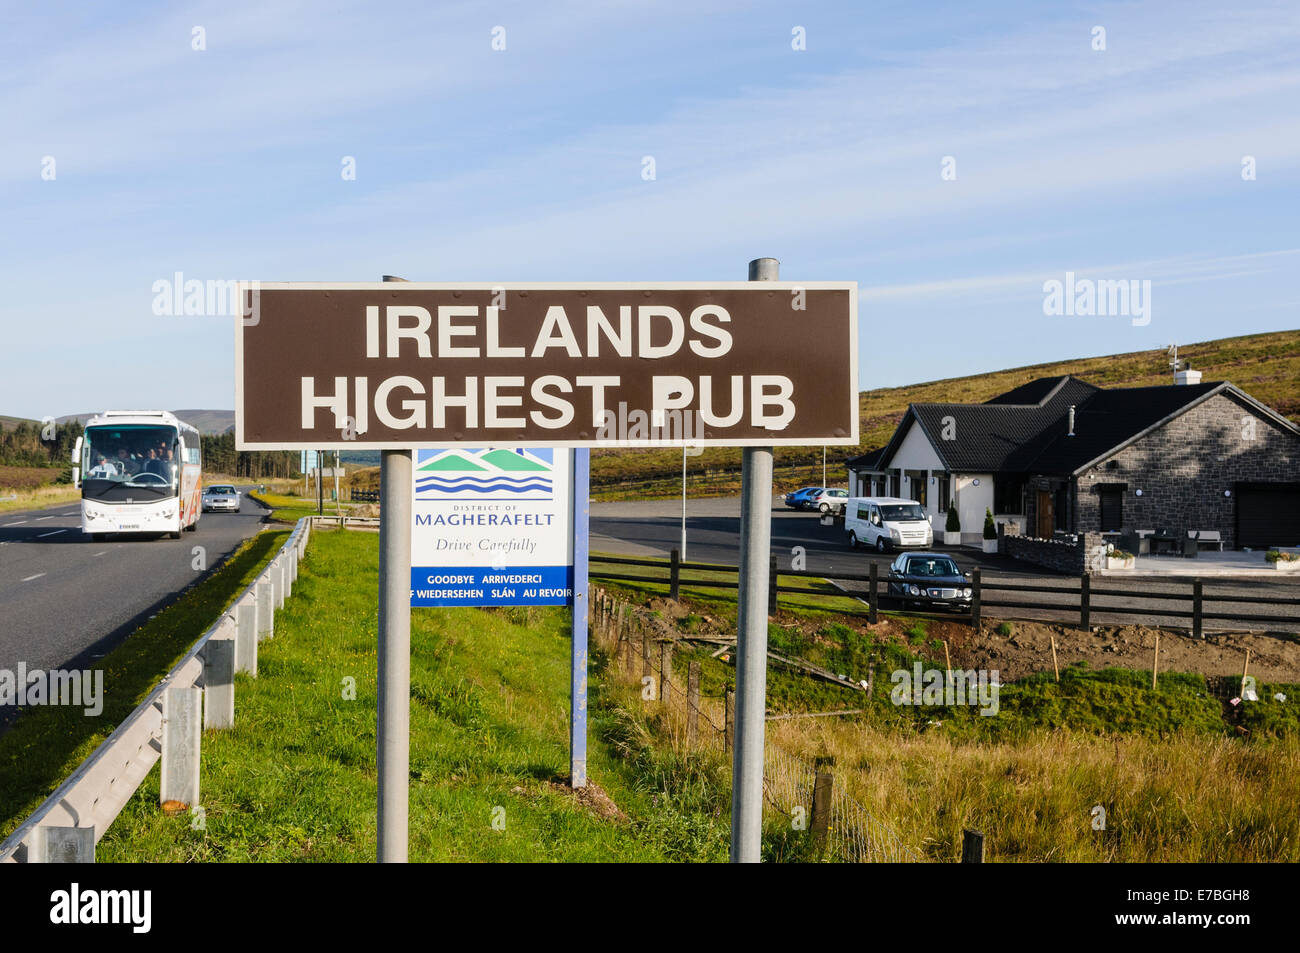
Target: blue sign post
[(507, 527), (578, 683)]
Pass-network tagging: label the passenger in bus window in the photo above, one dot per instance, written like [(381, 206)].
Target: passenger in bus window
[(153, 464), (125, 463)]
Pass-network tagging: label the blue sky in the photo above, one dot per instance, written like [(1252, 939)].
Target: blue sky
[(474, 164)]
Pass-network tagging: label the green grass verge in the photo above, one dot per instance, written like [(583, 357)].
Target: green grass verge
[(295, 778), (46, 744)]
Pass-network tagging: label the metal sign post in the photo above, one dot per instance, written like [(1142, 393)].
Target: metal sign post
[(578, 676), (751, 647), (394, 730)]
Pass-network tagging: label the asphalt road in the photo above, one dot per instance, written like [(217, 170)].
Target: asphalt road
[(653, 528), (65, 599)]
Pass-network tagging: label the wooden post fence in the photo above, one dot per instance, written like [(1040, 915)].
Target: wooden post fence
[(972, 847), (823, 789), (675, 575), (692, 704), (1085, 602), (873, 615)]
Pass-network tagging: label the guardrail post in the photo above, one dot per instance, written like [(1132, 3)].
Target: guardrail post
[(62, 845), (219, 677), (181, 735), (265, 607), (771, 586), (1198, 624), (873, 610), (277, 574), (975, 598), (246, 635), (972, 847), (1085, 602), (674, 575)]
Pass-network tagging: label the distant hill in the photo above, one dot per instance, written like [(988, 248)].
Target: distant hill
[(9, 423), (1266, 366), (207, 421)]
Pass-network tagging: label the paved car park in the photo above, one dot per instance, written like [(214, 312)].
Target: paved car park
[(653, 528)]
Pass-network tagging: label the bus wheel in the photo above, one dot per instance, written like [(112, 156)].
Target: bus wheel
[(193, 527), (174, 535)]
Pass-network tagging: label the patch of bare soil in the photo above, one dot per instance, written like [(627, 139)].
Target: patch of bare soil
[(1028, 648), (592, 797)]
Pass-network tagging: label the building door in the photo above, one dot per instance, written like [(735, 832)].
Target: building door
[(1046, 515), (1267, 515)]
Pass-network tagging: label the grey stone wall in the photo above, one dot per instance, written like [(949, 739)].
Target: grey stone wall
[(1067, 554), (1184, 467)]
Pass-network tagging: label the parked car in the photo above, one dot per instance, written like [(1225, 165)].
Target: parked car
[(828, 501), (221, 497), (798, 500), (886, 522), (929, 581)]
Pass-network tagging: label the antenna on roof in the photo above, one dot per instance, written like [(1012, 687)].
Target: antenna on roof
[(1174, 364)]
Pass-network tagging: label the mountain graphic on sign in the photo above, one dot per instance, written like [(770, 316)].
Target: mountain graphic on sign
[(450, 461), (472, 473)]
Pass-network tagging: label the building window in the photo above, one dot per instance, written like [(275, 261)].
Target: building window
[(945, 491), (1062, 509), (895, 483), (1009, 495)]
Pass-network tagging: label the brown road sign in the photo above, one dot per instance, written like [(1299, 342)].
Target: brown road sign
[(405, 365)]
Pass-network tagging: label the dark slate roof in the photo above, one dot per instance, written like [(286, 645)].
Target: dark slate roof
[(867, 461), (1111, 418), (1026, 429)]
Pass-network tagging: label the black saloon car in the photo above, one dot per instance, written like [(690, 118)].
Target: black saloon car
[(929, 581)]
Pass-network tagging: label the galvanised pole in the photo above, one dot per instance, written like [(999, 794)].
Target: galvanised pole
[(394, 734), (751, 649)]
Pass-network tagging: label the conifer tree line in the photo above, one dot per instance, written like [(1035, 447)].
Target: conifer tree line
[(23, 446)]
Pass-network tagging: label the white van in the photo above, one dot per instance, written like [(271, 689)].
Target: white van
[(887, 522)]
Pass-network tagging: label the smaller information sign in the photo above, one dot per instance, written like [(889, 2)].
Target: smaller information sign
[(492, 527)]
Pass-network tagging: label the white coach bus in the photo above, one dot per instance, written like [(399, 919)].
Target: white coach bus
[(139, 471)]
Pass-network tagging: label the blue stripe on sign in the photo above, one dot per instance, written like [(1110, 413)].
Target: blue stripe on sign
[(485, 586)]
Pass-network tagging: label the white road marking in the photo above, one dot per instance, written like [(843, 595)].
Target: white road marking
[(55, 533), (37, 576), (39, 518), (99, 554), (19, 523)]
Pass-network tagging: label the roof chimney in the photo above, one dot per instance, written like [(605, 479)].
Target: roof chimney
[(1071, 433), (1187, 376)]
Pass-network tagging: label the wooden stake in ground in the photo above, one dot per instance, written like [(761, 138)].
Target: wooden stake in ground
[(947, 660), (1055, 667), (1155, 662), (1245, 667)]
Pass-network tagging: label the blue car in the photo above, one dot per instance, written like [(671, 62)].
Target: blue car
[(802, 499)]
